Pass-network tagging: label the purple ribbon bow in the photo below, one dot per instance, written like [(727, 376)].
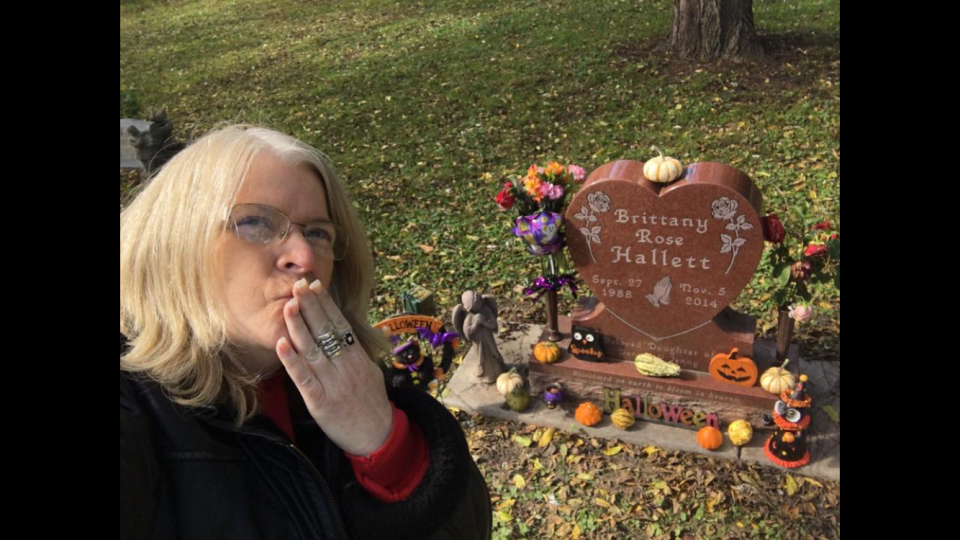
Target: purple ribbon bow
[(551, 283), (438, 339)]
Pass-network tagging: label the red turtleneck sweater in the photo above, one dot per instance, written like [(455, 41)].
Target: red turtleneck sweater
[(391, 473)]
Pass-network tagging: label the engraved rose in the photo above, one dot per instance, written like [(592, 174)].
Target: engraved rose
[(725, 208), (599, 202)]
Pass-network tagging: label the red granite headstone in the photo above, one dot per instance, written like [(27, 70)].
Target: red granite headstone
[(665, 261)]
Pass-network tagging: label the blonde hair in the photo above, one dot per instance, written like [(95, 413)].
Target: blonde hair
[(170, 307)]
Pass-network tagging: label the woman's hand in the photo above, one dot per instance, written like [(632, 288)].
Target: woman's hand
[(345, 394)]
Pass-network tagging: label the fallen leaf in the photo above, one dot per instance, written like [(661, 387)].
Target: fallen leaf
[(813, 482), (547, 437), (613, 451), (519, 481), (791, 485), (716, 499), (426, 248), (650, 450), (523, 441)]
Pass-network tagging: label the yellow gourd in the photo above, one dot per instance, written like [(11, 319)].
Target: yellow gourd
[(740, 432), (622, 418)]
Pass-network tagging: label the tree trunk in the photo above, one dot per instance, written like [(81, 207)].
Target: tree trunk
[(714, 30)]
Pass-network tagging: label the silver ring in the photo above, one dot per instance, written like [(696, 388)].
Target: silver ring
[(329, 343)]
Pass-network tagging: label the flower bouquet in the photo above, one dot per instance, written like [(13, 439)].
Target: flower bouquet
[(540, 198)]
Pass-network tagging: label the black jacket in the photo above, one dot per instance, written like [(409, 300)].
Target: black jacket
[(188, 473)]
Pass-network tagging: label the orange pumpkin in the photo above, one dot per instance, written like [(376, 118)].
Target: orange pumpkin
[(731, 368), (710, 438), (589, 414), (546, 352)]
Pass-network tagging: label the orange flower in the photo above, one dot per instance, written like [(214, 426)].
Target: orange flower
[(532, 171), (554, 168), (532, 187)]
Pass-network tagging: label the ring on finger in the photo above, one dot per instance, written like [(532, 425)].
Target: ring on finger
[(328, 342), (330, 345)]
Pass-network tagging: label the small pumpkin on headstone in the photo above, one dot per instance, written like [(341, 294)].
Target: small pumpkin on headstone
[(662, 169), (546, 352)]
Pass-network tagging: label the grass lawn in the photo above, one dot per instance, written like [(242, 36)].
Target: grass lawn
[(428, 107)]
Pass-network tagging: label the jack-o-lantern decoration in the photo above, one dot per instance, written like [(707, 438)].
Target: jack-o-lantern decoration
[(731, 368)]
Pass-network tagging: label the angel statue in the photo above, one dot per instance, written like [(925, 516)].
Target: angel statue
[(476, 319)]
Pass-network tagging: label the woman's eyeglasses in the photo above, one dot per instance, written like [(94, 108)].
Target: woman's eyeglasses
[(261, 224)]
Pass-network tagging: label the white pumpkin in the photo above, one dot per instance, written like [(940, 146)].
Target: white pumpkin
[(662, 170), (777, 379), (508, 381)]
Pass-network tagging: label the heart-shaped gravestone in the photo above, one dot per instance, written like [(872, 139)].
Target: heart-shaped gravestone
[(666, 259)]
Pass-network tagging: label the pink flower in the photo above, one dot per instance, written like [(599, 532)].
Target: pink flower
[(578, 173), (801, 313), (551, 191), (555, 192)]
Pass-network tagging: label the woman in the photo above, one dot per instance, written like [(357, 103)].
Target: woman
[(251, 401)]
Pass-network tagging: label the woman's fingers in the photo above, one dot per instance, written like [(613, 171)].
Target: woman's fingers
[(329, 307), (304, 341), (310, 307), (300, 373)]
